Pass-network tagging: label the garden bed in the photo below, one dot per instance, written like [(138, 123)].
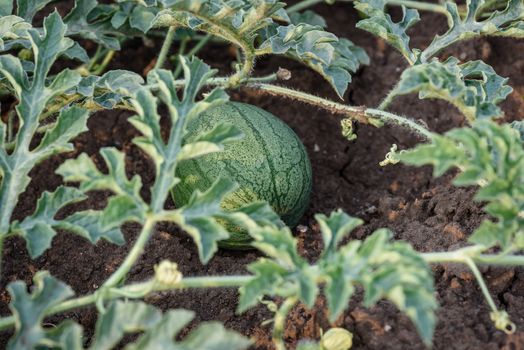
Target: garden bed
[(427, 212)]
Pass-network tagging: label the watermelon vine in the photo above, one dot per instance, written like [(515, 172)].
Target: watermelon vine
[(52, 108)]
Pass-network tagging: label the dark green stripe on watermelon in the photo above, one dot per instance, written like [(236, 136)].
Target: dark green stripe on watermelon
[(270, 163)]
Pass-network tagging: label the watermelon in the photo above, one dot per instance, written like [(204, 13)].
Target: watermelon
[(269, 164)]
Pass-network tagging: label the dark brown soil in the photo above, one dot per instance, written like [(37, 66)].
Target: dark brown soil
[(429, 213)]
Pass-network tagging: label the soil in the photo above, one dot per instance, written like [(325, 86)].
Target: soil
[(428, 212)]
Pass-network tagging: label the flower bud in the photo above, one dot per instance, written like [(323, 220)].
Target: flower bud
[(166, 273), (336, 339)]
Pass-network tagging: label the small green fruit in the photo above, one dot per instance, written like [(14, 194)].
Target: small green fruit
[(269, 164)]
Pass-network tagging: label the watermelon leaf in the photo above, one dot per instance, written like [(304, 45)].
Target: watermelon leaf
[(38, 229), (380, 24), (121, 318), (30, 309), (496, 166), (334, 228), (322, 51), (473, 87), (210, 142), (28, 8), (182, 110), (100, 31), (13, 31), (385, 269), (159, 331), (308, 17), (508, 22), (199, 217), (126, 205), (6, 7), (34, 93)]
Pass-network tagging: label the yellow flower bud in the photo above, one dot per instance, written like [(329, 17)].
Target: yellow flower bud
[(336, 339), (166, 273)]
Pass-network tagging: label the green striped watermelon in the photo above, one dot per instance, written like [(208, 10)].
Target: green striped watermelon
[(269, 163)]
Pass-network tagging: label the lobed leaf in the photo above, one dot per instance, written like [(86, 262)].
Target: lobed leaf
[(490, 156), (245, 23), (322, 51), (126, 205), (6, 7), (287, 273), (199, 217), (210, 142), (70, 123), (181, 111), (121, 318), (159, 331), (508, 22), (28, 8), (380, 24), (34, 92), (334, 228), (100, 31), (240, 16), (473, 87), (385, 269), (142, 18), (253, 215), (13, 31), (162, 334), (29, 310), (213, 336), (308, 17), (111, 89), (396, 272), (38, 229), (90, 225)]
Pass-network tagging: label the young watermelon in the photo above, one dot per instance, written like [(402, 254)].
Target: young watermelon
[(269, 164)]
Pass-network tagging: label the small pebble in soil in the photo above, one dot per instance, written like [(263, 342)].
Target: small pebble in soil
[(302, 229), (371, 210)]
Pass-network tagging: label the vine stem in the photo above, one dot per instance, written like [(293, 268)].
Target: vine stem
[(140, 290), (133, 255), (248, 63), (164, 51), (94, 59), (499, 317), (388, 99), (482, 284), (279, 322), (137, 291), (196, 49), (105, 62), (362, 114), (459, 256), (419, 5)]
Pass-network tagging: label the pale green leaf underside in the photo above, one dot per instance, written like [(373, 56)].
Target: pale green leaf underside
[(473, 87), (34, 93), (322, 51), (380, 24), (29, 309), (508, 22), (6, 7)]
